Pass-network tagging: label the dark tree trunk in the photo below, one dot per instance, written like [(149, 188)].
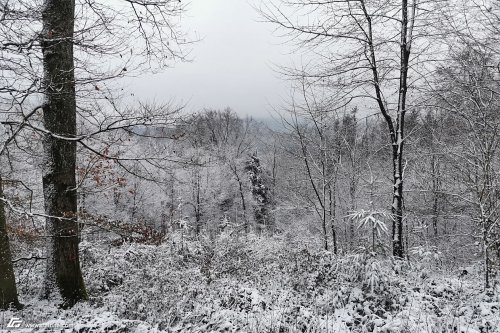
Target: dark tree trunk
[(395, 127), (333, 213), (59, 179), (242, 196), (398, 137), (8, 291), (198, 203), (261, 195), (397, 203), (352, 207), (435, 193)]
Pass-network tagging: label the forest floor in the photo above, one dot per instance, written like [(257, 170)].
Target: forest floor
[(258, 284)]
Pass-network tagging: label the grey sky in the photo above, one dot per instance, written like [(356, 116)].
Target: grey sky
[(232, 64)]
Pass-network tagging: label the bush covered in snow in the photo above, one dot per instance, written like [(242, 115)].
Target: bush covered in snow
[(261, 284)]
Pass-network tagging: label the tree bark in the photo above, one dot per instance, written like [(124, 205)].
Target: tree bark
[(324, 162), (435, 194), (352, 207), (486, 258), (59, 179), (333, 211), (8, 291), (198, 202), (398, 137), (242, 197)]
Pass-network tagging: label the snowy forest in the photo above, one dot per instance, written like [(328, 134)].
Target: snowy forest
[(368, 200)]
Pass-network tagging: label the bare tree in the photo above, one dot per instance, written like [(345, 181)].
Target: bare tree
[(354, 45), (59, 56), (59, 178), (311, 120), (225, 139), (469, 91)]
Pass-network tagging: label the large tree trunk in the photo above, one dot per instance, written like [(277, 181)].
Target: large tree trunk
[(59, 180), (8, 291)]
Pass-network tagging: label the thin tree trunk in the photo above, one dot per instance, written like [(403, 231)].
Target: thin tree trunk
[(372, 208), (333, 211), (134, 202), (396, 128), (397, 203), (325, 232), (172, 200), (242, 196), (435, 190), (198, 203), (274, 171), (59, 179), (8, 291), (197, 199), (352, 194), (324, 162), (398, 137), (486, 258)]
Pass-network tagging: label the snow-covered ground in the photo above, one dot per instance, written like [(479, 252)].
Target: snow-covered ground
[(226, 284)]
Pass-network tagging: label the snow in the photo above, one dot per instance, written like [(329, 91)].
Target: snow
[(260, 285)]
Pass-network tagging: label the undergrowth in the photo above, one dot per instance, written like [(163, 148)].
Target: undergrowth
[(240, 283)]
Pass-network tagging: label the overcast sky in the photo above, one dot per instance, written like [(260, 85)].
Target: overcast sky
[(232, 64)]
